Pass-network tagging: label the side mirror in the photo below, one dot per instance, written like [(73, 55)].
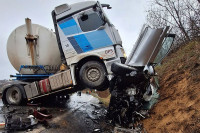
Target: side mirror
[(84, 17), (106, 5)]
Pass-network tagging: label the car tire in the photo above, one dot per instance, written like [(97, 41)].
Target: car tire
[(93, 75)]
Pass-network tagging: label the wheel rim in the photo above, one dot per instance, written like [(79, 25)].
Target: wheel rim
[(14, 96), (93, 74)]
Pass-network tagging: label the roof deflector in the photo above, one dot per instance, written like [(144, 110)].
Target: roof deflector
[(62, 8)]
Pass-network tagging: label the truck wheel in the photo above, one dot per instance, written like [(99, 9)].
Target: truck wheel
[(92, 75), (14, 95)]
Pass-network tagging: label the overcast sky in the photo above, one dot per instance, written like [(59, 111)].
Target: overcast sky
[(128, 16)]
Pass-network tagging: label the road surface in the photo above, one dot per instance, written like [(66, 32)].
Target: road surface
[(70, 114)]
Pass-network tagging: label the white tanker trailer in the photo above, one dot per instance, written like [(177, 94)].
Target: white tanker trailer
[(45, 49)]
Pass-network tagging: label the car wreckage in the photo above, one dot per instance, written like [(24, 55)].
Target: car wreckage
[(133, 86)]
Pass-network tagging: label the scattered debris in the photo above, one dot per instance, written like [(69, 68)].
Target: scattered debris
[(15, 123), (34, 121), (2, 125), (97, 130), (138, 129), (41, 115), (34, 104), (90, 115), (79, 93)]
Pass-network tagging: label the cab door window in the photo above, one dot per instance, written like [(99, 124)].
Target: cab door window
[(89, 22)]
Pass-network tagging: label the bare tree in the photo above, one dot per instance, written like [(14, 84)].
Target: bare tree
[(182, 15)]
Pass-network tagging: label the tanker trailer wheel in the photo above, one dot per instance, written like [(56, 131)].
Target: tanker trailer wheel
[(14, 95), (93, 75)]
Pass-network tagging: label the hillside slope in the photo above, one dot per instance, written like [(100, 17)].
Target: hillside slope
[(178, 109)]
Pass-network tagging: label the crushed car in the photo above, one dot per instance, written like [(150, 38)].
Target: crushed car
[(132, 87)]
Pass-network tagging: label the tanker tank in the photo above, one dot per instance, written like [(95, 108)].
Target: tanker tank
[(33, 45)]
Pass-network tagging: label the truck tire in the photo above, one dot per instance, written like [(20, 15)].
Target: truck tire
[(14, 95), (93, 75)]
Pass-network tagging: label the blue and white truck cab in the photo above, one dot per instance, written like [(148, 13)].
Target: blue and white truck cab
[(88, 42)]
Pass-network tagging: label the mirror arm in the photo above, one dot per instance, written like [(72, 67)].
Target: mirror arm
[(106, 5)]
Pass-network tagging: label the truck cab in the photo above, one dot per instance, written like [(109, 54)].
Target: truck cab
[(88, 42)]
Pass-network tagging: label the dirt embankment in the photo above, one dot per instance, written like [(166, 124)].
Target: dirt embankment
[(178, 109)]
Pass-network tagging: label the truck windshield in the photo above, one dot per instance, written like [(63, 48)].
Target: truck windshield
[(89, 22)]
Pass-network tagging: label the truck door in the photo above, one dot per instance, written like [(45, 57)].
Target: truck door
[(68, 28), (95, 32)]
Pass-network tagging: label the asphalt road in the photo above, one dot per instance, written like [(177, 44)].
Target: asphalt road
[(70, 114)]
